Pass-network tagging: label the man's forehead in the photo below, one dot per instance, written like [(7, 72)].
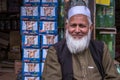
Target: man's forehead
[(79, 10), (79, 17)]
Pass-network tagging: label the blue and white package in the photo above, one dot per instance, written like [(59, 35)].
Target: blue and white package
[(30, 41), (31, 2), (48, 40), (44, 53), (29, 12), (29, 27), (31, 69), (48, 27), (48, 13), (49, 2), (42, 67), (31, 78), (31, 55)]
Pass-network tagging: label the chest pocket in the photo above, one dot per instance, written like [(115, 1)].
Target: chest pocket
[(94, 72), (92, 69)]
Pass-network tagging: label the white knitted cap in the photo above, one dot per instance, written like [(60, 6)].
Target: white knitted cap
[(79, 10)]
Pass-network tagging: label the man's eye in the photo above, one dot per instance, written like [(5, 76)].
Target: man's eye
[(73, 25), (82, 26)]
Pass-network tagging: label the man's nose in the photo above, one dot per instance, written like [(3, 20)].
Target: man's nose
[(77, 29)]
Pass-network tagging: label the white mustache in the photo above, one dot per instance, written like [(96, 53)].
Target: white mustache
[(77, 45)]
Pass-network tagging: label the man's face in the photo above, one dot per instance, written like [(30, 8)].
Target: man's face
[(78, 26), (78, 33)]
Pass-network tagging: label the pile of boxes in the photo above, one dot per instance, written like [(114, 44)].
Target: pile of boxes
[(105, 22), (39, 31), (105, 15), (15, 41)]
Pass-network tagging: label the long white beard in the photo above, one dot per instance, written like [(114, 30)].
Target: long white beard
[(77, 45)]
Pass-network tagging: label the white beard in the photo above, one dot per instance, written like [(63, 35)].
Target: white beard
[(77, 45)]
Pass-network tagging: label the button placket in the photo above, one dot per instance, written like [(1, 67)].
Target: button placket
[(83, 68)]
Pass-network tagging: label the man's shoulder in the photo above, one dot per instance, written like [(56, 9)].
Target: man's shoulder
[(97, 42), (60, 46), (60, 43)]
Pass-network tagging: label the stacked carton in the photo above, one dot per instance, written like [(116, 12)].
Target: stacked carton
[(48, 26), (105, 15), (30, 40), (105, 20), (39, 32)]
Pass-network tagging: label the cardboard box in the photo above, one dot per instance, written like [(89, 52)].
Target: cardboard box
[(30, 41), (15, 49), (4, 35), (15, 41), (18, 66), (4, 42), (14, 55)]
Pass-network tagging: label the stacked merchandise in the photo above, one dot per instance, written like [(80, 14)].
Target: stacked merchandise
[(109, 39), (48, 26), (39, 32), (105, 15), (3, 5), (30, 40), (105, 20)]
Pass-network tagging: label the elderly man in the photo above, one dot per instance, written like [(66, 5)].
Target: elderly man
[(74, 58)]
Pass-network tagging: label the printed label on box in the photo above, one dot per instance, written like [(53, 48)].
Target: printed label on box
[(29, 27), (48, 13), (48, 40), (31, 69), (31, 55), (48, 27), (29, 12), (30, 41)]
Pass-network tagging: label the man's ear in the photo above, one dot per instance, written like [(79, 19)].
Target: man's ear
[(91, 27), (66, 24)]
